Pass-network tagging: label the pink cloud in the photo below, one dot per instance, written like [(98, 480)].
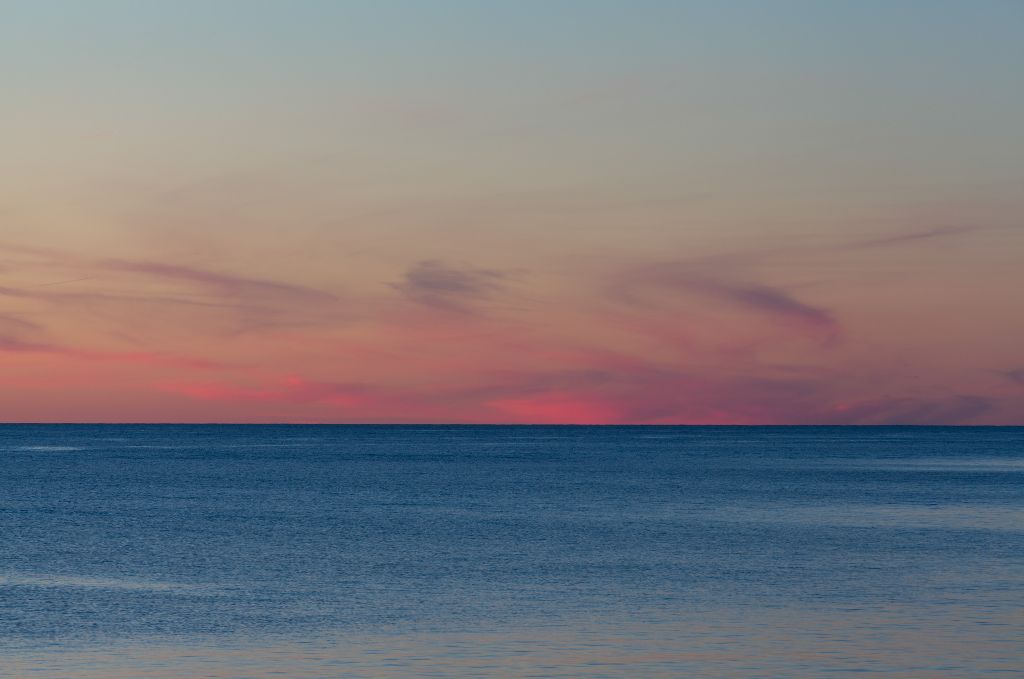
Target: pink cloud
[(939, 410), (291, 389), (15, 345), (559, 408)]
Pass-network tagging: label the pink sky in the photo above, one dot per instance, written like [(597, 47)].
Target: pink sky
[(326, 219)]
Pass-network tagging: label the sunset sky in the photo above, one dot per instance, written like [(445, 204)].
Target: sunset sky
[(552, 212)]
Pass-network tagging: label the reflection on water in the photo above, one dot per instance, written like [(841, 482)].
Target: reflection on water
[(975, 464), (36, 580), (905, 517), (204, 551), (948, 641)]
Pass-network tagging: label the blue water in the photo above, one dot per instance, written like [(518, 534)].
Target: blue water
[(321, 551)]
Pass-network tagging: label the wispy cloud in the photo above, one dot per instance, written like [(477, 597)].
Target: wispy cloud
[(237, 286), (15, 345), (762, 298), (610, 389), (445, 286), (949, 410), (290, 390), (1016, 376), (94, 296), (766, 300), (931, 233), (10, 344), (204, 298), (226, 284), (16, 322), (655, 394)]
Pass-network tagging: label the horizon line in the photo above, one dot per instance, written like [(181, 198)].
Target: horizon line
[(493, 424)]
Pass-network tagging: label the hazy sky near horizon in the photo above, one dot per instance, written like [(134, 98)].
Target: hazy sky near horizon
[(569, 211)]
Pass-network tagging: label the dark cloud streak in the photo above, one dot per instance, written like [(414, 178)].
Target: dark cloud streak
[(436, 284), (232, 285), (915, 236), (1016, 376), (769, 301)]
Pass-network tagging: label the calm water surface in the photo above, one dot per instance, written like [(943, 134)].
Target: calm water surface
[(309, 551)]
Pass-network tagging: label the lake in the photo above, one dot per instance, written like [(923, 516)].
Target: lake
[(328, 551)]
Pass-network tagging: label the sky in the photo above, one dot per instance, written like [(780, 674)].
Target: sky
[(522, 212)]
